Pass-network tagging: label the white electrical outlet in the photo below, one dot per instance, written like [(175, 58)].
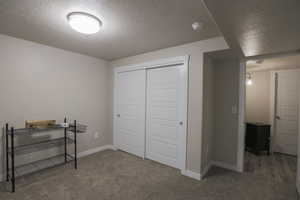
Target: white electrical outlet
[(234, 109), (96, 135)]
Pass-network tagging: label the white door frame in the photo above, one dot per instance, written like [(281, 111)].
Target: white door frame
[(273, 105), (298, 156), (182, 60), (241, 117)]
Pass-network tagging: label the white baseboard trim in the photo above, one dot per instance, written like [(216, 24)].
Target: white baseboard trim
[(95, 150), (206, 169), (225, 165), (191, 174), (199, 176)]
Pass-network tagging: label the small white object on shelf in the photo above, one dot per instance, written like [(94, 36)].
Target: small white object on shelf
[(64, 125)]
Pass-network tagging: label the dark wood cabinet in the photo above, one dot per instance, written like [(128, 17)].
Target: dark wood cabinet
[(258, 137)]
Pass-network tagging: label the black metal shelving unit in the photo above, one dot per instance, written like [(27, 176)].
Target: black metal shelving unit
[(12, 171)]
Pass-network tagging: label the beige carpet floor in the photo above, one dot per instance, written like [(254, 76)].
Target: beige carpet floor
[(115, 175)]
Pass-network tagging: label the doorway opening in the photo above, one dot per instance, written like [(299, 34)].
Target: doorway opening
[(272, 116), (221, 72)]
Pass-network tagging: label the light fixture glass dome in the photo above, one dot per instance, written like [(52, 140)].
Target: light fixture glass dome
[(84, 23), (249, 82), (249, 79)]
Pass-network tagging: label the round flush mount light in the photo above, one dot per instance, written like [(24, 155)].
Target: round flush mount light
[(84, 23)]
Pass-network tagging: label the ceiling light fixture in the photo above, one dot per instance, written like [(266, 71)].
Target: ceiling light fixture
[(248, 79), (255, 62), (84, 23), (259, 61), (197, 26), (251, 62)]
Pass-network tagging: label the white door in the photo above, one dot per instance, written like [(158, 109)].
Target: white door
[(287, 114), (164, 118), (129, 123)]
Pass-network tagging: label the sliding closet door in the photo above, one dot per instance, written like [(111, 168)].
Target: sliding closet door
[(129, 123), (164, 118)]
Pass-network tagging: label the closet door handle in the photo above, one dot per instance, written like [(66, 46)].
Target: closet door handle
[(118, 115), (180, 123)]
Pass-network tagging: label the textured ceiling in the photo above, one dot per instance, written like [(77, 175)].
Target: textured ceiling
[(130, 27), (286, 62), (258, 27)]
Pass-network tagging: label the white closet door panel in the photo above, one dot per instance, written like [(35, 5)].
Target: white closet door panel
[(130, 112), (163, 103), (287, 121), (163, 129)]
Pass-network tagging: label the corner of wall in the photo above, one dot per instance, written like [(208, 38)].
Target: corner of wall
[(225, 165), (205, 170), (191, 174)]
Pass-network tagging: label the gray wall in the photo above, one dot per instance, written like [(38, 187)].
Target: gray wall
[(195, 104), (41, 82), (258, 97), (226, 122), (220, 119), (208, 112)]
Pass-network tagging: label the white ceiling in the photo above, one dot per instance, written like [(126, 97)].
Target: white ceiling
[(130, 27), (258, 27), (286, 62)]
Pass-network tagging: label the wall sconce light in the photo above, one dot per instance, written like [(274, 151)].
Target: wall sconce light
[(248, 79)]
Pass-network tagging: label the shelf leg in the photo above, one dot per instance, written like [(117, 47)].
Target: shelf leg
[(65, 132), (7, 159), (12, 160), (75, 143)]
